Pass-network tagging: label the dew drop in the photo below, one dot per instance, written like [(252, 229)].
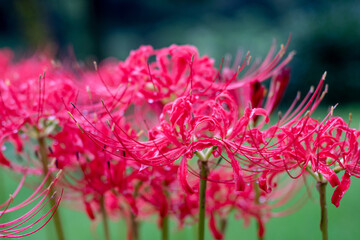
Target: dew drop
[(150, 101), (142, 167)]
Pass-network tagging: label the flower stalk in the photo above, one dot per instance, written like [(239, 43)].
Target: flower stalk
[(257, 201), (165, 221), (45, 161), (321, 187), (105, 219), (204, 172), (165, 228), (134, 227)]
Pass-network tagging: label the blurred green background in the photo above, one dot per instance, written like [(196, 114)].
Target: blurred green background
[(325, 35)]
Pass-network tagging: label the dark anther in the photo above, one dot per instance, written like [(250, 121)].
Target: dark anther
[(219, 161)]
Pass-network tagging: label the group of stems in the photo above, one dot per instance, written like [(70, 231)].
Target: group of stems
[(204, 172)]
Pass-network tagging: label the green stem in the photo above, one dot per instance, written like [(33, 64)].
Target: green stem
[(165, 228), (134, 227), (105, 218), (257, 201), (165, 219), (204, 172), (321, 187), (3, 197), (134, 223), (45, 161), (316, 177)]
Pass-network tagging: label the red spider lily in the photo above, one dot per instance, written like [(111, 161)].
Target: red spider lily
[(132, 155), (31, 106), (176, 72), (23, 225), (300, 142), (23, 93), (192, 122), (180, 59), (248, 89), (222, 199), (169, 75), (96, 178)]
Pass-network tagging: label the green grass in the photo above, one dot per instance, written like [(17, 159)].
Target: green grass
[(304, 224)]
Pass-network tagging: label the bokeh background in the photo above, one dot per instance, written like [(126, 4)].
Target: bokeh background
[(325, 35)]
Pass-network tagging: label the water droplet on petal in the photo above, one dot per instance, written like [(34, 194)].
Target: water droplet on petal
[(142, 167), (262, 199), (150, 101)]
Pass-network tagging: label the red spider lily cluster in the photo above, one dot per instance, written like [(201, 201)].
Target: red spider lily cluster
[(164, 132)]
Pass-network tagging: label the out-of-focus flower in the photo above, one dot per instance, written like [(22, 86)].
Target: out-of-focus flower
[(33, 220)]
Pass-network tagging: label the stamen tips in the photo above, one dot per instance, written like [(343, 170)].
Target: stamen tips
[(324, 76), (11, 198), (56, 163), (312, 88), (81, 129), (70, 114), (108, 164), (58, 175), (248, 61)]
